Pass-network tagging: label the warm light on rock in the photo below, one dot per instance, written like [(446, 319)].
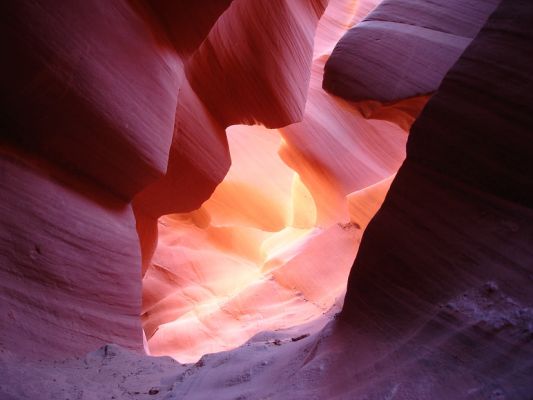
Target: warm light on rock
[(273, 245), (244, 262), (266, 199)]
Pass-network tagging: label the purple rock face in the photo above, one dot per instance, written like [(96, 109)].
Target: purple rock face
[(187, 22), (91, 120), (439, 303), (448, 259), (87, 85), (403, 48), (70, 264)]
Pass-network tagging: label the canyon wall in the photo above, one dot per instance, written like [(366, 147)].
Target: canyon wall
[(419, 39), (78, 142), (272, 247), (467, 164), (105, 111), (441, 286), (102, 135)]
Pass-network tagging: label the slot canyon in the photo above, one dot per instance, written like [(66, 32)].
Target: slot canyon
[(266, 199)]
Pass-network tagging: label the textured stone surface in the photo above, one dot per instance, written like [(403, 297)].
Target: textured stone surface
[(89, 98), (337, 150), (340, 15), (70, 276), (98, 98), (273, 245), (252, 258), (488, 97), (403, 48), (314, 362), (187, 22), (475, 173), (439, 303), (447, 263), (227, 83), (198, 161), (254, 65), (97, 90)]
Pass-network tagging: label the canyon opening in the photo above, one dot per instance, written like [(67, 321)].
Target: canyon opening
[(273, 245), (266, 199)]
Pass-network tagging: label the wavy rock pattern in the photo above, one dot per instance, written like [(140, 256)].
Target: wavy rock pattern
[(199, 157), (446, 264), (285, 236), (187, 23), (68, 95), (336, 150), (108, 103), (70, 275), (261, 48), (403, 48), (438, 304), (79, 141), (236, 266), (480, 158)]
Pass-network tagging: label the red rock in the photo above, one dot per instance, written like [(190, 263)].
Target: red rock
[(339, 16), (89, 86), (187, 22), (465, 186), (337, 151), (440, 292), (439, 303), (198, 161), (403, 48), (146, 226), (236, 264), (70, 263), (254, 65)]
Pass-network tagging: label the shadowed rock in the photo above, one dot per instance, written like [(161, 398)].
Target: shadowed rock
[(403, 48)]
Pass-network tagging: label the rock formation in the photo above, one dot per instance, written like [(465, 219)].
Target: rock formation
[(119, 168), (78, 142), (446, 263), (285, 236), (104, 111), (421, 41)]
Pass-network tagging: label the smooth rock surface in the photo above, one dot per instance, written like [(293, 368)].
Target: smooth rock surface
[(439, 303), (88, 85), (198, 161), (70, 276), (472, 176), (254, 65), (403, 48), (445, 268), (272, 246), (187, 22)]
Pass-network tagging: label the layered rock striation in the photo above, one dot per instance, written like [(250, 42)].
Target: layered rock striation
[(99, 118), (438, 303), (420, 41), (272, 247), (442, 280)]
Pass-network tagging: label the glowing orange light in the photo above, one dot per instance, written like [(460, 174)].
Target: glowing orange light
[(273, 246)]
